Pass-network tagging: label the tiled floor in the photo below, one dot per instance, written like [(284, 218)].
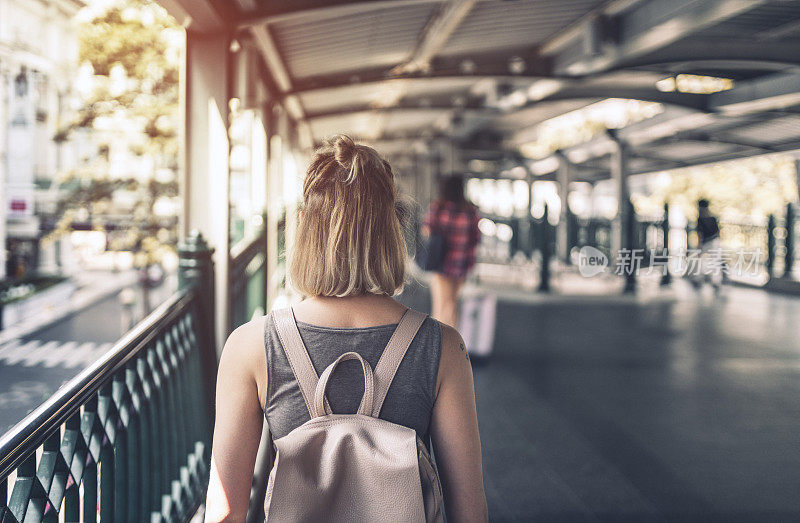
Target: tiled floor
[(677, 407)]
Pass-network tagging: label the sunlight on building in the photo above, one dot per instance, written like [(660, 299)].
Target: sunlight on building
[(582, 125)]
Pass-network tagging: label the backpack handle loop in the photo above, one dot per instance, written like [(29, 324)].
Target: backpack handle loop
[(320, 408)]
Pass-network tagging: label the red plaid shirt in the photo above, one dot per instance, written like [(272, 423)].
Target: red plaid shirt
[(459, 225)]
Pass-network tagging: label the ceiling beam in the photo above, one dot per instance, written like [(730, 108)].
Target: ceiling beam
[(272, 11), (697, 102), (283, 81), (658, 159), (608, 40), (447, 102), (202, 16), (510, 64), (774, 92), (720, 53), (716, 138), (783, 30), (435, 35)]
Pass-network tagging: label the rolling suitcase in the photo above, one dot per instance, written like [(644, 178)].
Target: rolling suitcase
[(477, 324)]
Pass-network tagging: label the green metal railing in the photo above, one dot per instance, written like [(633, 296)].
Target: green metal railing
[(127, 439), (247, 280)]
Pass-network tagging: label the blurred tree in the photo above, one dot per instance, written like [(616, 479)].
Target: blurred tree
[(750, 188), (130, 55)]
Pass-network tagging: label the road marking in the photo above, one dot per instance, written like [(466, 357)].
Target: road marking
[(37, 355), (19, 352), (67, 354), (62, 356)]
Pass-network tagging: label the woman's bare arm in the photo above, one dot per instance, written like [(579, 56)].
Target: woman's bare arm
[(237, 430), (454, 429)]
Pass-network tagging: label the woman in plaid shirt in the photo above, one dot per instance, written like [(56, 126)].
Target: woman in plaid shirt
[(457, 220)]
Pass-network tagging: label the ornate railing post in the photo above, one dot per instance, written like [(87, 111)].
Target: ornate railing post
[(666, 278), (789, 242), (196, 268), (544, 245), (628, 232), (770, 244)]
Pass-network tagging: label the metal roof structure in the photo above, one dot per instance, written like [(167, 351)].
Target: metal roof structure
[(484, 73)]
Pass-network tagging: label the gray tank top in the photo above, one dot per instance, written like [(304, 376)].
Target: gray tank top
[(409, 401)]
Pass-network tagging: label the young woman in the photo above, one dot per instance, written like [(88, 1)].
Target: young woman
[(457, 220), (349, 260)]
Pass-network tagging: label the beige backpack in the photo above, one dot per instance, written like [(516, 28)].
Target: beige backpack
[(351, 467)]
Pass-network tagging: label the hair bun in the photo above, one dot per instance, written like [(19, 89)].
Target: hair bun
[(344, 150)]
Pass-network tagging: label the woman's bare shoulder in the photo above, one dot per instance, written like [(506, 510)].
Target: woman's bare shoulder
[(247, 339), (454, 360), (244, 349)]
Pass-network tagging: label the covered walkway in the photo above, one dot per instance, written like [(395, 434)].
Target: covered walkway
[(678, 407), (663, 404)]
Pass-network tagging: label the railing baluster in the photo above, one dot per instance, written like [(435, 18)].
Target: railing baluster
[(120, 398), (5, 512), (93, 434), (150, 466), (52, 473), (174, 425), (27, 497), (107, 421), (134, 439), (74, 451)]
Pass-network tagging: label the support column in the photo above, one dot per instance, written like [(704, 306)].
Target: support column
[(788, 242), (562, 233), (622, 225), (619, 174), (797, 175), (278, 143), (544, 245), (666, 278), (205, 177), (4, 119)]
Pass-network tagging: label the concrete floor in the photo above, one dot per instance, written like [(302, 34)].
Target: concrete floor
[(676, 407)]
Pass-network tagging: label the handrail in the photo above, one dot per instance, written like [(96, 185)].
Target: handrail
[(34, 428), (248, 257), (245, 250)]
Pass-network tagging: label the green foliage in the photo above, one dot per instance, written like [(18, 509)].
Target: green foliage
[(747, 188), (130, 108)]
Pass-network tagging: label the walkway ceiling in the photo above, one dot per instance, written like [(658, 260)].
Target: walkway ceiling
[(484, 73)]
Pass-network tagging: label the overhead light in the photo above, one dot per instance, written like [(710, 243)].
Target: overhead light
[(667, 85), (543, 88), (467, 66), (694, 84), (516, 65)]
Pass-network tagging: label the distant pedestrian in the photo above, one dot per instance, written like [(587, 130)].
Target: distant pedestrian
[(456, 219), (711, 263)]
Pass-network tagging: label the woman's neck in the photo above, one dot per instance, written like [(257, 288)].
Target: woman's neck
[(363, 310)]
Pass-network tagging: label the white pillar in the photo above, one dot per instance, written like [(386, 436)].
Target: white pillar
[(4, 122), (619, 173), (205, 175), (278, 143), (564, 179), (797, 175)]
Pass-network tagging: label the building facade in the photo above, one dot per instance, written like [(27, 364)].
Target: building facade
[(38, 64)]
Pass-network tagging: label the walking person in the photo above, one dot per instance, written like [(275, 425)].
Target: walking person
[(348, 259), (456, 219), (710, 256)]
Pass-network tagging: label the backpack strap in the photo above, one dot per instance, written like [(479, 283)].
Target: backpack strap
[(393, 354), (297, 354)]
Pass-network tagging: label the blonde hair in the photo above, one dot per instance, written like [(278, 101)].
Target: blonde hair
[(349, 238)]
